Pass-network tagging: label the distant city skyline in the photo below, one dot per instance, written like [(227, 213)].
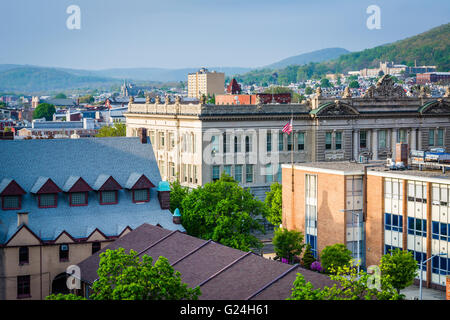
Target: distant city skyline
[(186, 34)]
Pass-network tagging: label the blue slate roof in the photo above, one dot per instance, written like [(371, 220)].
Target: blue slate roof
[(62, 160)]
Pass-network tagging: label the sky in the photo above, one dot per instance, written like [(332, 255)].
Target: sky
[(195, 33)]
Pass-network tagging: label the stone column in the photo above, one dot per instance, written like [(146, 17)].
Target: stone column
[(413, 139), (419, 139), (393, 142), (355, 144), (374, 142)]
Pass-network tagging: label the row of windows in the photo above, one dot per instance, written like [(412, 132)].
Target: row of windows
[(417, 226), (393, 222), (237, 172), (76, 199), (440, 231)]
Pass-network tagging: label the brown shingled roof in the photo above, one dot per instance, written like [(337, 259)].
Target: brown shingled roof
[(222, 273)]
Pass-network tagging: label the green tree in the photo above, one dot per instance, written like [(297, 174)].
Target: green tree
[(353, 84), (44, 110), (211, 99), (401, 267), (274, 205), (224, 212), (86, 99), (177, 194), (123, 276), (308, 257), (7, 129), (325, 83), (288, 243), (118, 130), (349, 285), (308, 90), (61, 96), (334, 256)]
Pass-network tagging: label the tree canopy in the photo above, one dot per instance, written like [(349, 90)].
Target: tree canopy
[(334, 256), (274, 204), (287, 243), (401, 266), (118, 130), (44, 110), (224, 212)]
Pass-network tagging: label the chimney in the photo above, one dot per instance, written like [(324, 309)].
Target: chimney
[(22, 218), (142, 132), (176, 216), (401, 153)]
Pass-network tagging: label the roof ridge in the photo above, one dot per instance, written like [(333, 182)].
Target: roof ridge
[(271, 282), (191, 252), (155, 243), (224, 268)]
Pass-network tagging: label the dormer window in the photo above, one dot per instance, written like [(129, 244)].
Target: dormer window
[(47, 192), (78, 191), (107, 188), (11, 195), (140, 187)]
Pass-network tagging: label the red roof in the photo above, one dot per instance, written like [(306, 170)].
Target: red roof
[(12, 189)]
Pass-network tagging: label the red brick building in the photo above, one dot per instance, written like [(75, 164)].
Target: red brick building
[(264, 98), (431, 77)]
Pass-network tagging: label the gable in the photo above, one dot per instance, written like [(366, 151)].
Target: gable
[(143, 183), (64, 237), (106, 183), (11, 189), (96, 235), (80, 186), (23, 237), (45, 185)]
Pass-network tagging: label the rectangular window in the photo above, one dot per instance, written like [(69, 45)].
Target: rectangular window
[(195, 174), (215, 173), (363, 139), (226, 143), (280, 141), (96, 246), (328, 139), (171, 140), (227, 170), (269, 173), (64, 252), (431, 137), (389, 249), (141, 195), (440, 231), (162, 141), (269, 141), (289, 142), (108, 197), (440, 265), (312, 240), (172, 169), (214, 144), (237, 144), (382, 139), (23, 255), (279, 173), (249, 173), (11, 203), (152, 138), (47, 200), (417, 226), (440, 137), (301, 141), (238, 173), (393, 222), (338, 140), (23, 287), (248, 144), (78, 199)]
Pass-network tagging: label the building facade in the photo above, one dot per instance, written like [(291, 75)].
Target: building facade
[(197, 141), (205, 83), (372, 210), (64, 199)]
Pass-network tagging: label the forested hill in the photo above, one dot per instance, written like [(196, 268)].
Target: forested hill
[(428, 48)]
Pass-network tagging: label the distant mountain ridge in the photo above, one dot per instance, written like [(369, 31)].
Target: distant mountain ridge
[(305, 58)]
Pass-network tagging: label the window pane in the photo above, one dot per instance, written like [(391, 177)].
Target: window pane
[(47, 200), (11, 202), (78, 198), (108, 196), (141, 195)]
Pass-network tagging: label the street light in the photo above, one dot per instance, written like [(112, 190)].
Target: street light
[(421, 269)]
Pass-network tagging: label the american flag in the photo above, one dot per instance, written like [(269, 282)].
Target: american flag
[(288, 127)]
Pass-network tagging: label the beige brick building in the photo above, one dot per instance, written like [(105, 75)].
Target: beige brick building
[(204, 82)]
